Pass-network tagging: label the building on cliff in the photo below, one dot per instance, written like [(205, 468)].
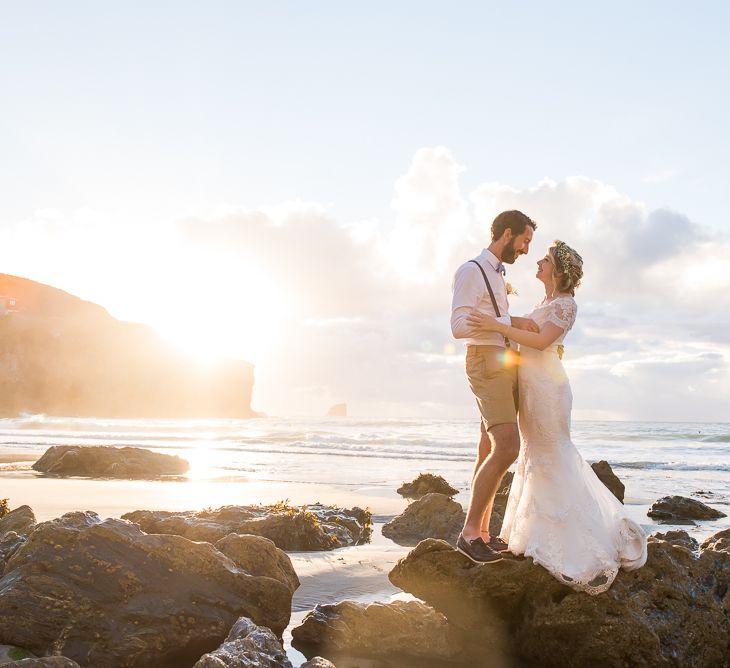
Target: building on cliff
[(8, 305)]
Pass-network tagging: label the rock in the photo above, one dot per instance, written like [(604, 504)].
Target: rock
[(106, 594), (247, 646), (338, 410), (399, 632), (670, 508), (44, 662), (108, 461), (606, 475), (720, 542), (431, 516), (426, 483), (318, 662), (314, 527), (9, 543), (259, 556), (10, 653), (680, 537), (21, 520), (671, 612)]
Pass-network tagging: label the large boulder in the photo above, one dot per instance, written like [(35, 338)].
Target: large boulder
[(259, 556), (108, 461), (247, 646), (106, 594), (431, 516), (9, 543), (400, 633), (43, 662), (682, 508), (426, 483), (606, 475), (21, 520), (681, 538), (318, 662), (720, 542), (671, 612), (39, 662), (314, 527)]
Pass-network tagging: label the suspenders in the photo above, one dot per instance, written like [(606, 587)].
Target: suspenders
[(491, 296)]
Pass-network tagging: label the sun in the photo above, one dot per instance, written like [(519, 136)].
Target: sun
[(233, 312)]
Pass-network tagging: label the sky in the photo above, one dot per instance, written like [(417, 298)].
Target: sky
[(296, 183)]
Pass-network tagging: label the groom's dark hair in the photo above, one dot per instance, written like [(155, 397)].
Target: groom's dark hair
[(513, 220)]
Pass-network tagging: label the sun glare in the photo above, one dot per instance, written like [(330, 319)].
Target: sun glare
[(236, 315)]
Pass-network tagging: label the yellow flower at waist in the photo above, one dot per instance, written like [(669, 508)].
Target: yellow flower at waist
[(561, 350)]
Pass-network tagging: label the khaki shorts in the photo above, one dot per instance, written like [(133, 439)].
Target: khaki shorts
[(493, 383)]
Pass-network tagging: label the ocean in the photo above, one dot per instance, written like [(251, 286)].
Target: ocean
[(653, 459)]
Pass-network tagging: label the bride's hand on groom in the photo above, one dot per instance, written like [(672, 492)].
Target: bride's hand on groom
[(525, 324), (481, 321)]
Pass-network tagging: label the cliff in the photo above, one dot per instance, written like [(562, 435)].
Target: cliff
[(60, 355)]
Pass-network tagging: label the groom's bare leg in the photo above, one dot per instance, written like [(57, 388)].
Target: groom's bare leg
[(505, 447), (483, 451)]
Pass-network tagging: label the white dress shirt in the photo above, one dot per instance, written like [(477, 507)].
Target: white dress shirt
[(470, 292)]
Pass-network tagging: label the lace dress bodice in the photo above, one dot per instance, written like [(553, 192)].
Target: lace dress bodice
[(560, 311), (559, 512)]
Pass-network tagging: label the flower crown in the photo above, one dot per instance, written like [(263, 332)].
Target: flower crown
[(569, 261)]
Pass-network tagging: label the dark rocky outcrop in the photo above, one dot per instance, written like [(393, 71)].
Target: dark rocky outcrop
[(106, 594), (318, 662), (681, 508), (606, 475), (314, 527), (401, 633), (21, 520), (671, 612), (9, 543), (431, 516), (107, 461), (259, 556), (426, 483), (247, 646), (60, 355), (720, 542), (44, 662), (681, 538)]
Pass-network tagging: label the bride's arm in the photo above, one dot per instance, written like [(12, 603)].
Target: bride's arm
[(540, 340)]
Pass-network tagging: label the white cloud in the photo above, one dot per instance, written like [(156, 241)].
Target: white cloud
[(359, 311)]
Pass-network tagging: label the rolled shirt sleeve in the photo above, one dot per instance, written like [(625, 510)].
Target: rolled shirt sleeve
[(469, 293)]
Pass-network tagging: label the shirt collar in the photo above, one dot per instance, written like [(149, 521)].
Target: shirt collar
[(491, 258)]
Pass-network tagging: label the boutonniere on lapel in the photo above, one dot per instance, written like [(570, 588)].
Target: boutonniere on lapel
[(511, 290)]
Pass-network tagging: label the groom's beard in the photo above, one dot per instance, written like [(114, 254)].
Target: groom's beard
[(509, 254)]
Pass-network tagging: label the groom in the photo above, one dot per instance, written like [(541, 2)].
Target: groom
[(492, 374)]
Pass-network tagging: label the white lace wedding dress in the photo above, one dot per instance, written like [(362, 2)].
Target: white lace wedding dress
[(558, 511)]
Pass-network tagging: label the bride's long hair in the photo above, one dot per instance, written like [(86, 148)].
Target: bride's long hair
[(568, 267)]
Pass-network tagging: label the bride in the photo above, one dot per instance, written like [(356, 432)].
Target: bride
[(558, 511)]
